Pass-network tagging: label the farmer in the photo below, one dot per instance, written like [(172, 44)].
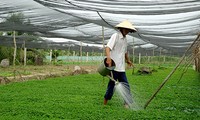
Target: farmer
[(116, 49)]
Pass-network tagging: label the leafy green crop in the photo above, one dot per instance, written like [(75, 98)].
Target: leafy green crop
[(81, 97)]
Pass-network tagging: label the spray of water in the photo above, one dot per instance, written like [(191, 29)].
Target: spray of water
[(123, 91)]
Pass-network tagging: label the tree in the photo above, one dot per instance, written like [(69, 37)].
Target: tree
[(15, 19)]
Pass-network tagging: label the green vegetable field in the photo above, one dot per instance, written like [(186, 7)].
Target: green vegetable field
[(81, 97)]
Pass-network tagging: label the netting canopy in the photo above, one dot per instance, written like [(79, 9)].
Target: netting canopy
[(170, 25)]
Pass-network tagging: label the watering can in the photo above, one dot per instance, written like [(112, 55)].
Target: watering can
[(104, 69)]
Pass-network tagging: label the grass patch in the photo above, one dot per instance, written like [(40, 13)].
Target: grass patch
[(9, 73), (81, 97)]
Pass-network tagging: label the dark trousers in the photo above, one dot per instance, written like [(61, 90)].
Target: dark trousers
[(121, 77)]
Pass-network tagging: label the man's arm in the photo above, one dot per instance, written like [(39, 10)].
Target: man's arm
[(108, 61)]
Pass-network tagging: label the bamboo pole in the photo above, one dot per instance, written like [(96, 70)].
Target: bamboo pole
[(15, 48), (171, 73), (87, 56), (25, 50), (133, 50), (81, 47), (50, 55), (165, 80), (74, 56), (139, 58), (133, 71)]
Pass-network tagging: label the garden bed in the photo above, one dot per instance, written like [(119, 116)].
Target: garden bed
[(81, 97)]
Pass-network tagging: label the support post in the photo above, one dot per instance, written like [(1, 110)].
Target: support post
[(133, 51), (81, 47), (50, 57), (87, 57), (139, 58), (15, 48), (25, 50)]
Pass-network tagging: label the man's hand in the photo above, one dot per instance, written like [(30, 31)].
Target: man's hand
[(109, 61), (129, 63)]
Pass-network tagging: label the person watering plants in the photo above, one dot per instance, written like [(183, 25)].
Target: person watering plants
[(116, 50)]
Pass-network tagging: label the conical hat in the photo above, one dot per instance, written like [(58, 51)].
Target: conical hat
[(126, 24)]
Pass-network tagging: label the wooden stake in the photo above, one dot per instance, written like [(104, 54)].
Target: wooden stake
[(15, 48), (166, 79), (25, 50), (171, 73)]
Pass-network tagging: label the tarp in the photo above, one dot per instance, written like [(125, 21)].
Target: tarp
[(171, 25)]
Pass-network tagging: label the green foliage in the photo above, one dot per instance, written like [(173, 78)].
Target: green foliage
[(15, 18), (33, 53), (11, 74), (6, 74), (55, 53), (7, 53), (81, 97)]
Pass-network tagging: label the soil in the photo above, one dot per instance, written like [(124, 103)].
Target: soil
[(24, 73)]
